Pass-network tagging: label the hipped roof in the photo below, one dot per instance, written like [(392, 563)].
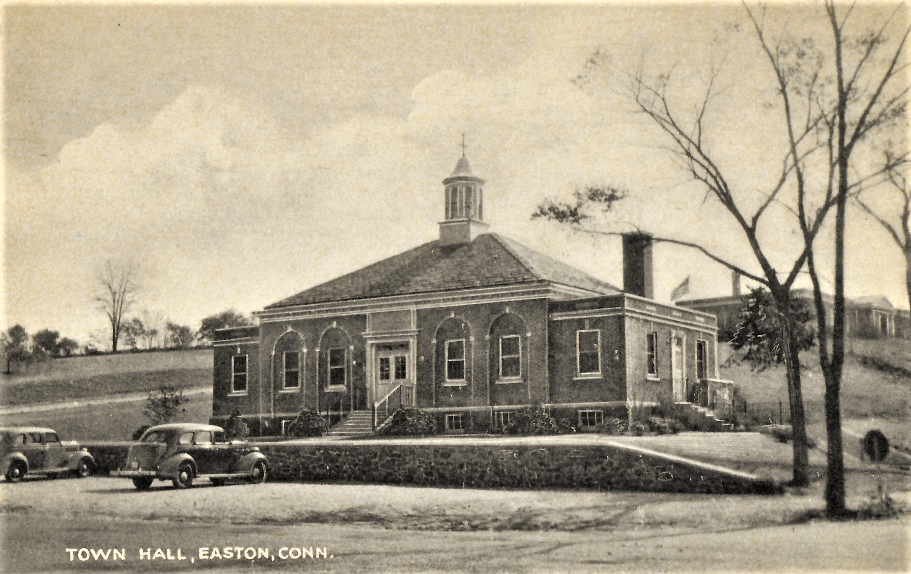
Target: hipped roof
[(491, 260)]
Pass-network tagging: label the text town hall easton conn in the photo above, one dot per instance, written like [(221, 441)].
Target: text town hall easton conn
[(472, 327)]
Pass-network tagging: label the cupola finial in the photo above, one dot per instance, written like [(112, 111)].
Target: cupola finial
[(463, 144)]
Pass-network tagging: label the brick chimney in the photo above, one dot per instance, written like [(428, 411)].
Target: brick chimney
[(637, 265), (735, 283)]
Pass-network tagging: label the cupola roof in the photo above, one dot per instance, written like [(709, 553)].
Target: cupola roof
[(462, 172)]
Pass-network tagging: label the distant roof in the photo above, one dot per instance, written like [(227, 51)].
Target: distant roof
[(878, 300), (489, 261)]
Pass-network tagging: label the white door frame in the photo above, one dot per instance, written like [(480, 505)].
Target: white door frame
[(678, 366)]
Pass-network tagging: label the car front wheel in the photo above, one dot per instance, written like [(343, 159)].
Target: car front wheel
[(142, 482), (82, 469), (258, 473), (184, 478), (16, 471)]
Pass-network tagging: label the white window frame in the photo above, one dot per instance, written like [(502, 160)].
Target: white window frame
[(651, 358), (450, 417), (455, 382), (285, 371), (329, 367), (395, 367), (245, 373), (598, 415), (511, 378), (588, 374), (704, 359)]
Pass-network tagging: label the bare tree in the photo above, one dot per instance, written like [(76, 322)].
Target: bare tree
[(870, 95), (119, 292), (813, 101)]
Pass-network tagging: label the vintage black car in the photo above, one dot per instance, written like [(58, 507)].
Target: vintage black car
[(38, 450), (186, 451)]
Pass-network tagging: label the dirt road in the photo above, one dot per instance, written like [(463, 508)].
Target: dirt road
[(375, 528)]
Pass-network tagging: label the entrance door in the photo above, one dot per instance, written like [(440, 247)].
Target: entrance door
[(391, 368), (678, 368)]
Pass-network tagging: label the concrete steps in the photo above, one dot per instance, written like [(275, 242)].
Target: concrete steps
[(355, 424), (701, 418)]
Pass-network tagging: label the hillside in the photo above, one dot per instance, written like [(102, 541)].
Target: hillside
[(100, 375), (876, 380), (85, 366)]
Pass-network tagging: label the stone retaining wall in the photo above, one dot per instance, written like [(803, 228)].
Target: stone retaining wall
[(489, 465)]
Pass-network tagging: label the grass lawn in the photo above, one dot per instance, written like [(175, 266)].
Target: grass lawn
[(107, 422), (50, 391), (88, 366), (876, 381)]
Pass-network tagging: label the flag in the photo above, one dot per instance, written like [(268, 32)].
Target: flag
[(681, 289)]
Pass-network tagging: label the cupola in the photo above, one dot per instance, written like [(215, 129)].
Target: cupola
[(464, 205)]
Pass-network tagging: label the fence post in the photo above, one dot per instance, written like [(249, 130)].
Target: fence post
[(780, 417)]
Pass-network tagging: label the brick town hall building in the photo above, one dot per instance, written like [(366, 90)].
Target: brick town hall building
[(472, 327)]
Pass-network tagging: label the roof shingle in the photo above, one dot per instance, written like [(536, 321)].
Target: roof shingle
[(489, 261)]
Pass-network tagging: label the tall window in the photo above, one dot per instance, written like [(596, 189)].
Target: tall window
[(401, 367), (588, 352), (701, 359), (455, 360), (385, 370), (338, 366), (239, 374), (510, 357), (292, 370), (652, 354)]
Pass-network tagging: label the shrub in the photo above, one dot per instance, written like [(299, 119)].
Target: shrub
[(307, 424), (533, 421), (614, 426), (660, 425), (783, 434), (411, 422), (236, 428), (161, 408), (880, 506)]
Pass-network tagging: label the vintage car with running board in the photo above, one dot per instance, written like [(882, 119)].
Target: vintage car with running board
[(187, 451), (39, 451)]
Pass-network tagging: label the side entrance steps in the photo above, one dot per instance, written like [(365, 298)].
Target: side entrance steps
[(701, 418), (356, 424)]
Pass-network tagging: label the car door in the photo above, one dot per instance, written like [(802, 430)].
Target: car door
[(54, 454), (211, 457), (33, 450)]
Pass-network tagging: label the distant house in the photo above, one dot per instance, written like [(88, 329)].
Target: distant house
[(867, 317), (472, 327)]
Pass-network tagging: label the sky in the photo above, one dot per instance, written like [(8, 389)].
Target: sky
[(241, 153)]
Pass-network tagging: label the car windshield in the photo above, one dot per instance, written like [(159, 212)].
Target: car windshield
[(157, 436)]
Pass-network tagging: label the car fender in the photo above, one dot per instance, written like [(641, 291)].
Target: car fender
[(246, 462), (8, 459), (168, 467), (75, 457)]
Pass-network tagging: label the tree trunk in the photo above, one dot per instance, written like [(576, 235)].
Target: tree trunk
[(801, 475), (908, 271), (835, 479)]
